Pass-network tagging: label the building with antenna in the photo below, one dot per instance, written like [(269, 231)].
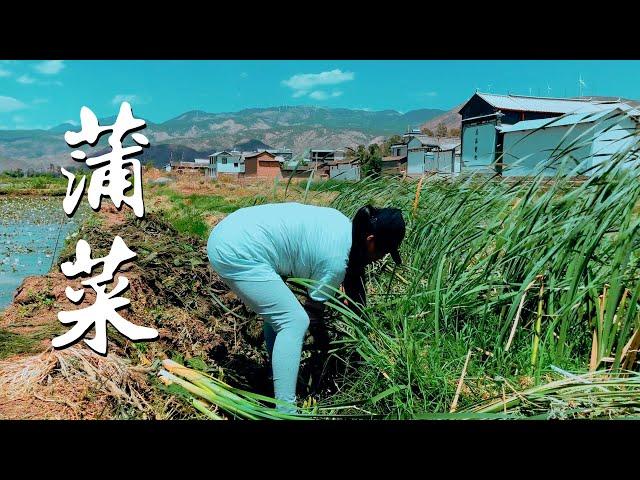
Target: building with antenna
[(513, 134)]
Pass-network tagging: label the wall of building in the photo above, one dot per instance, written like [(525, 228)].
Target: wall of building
[(251, 167), (440, 162), (476, 107), (616, 137), (268, 167), (400, 151), (478, 146), (262, 166), (528, 152), (511, 117), (415, 157), (345, 172), (233, 165)]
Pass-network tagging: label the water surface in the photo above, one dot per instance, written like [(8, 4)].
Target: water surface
[(32, 233)]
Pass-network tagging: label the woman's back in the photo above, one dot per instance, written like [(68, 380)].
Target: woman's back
[(283, 239)]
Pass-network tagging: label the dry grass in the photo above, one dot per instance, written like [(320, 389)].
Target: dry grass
[(233, 188), (74, 383)]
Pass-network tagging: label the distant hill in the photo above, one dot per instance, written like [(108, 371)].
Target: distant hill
[(196, 134), (451, 119), (252, 145), (160, 155), (62, 128)]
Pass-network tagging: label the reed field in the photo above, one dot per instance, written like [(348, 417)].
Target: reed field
[(517, 298), (506, 286)]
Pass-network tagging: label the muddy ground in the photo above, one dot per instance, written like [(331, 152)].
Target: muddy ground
[(172, 288)]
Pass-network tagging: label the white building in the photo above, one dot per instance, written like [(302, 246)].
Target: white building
[(573, 143), (515, 134), (344, 170), (225, 162), (432, 154)]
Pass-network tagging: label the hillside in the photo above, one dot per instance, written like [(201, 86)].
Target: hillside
[(451, 119), (197, 133)]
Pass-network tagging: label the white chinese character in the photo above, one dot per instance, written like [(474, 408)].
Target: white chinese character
[(111, 178), (106, 304)]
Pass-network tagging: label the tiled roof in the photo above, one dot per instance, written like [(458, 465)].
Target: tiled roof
[(255, 154), (564, 120), (537, 104)]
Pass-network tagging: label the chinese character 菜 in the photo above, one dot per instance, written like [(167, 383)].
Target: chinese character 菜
[(106, 304)]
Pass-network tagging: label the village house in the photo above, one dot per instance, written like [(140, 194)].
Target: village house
[(424, 153), (344, 170), (588, 139), (197, 166), (394, 165), (262, 164), (513, 134), (284, 153), (226, 163), (317, 155), (398, 150)]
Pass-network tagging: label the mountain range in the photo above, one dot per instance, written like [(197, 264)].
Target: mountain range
[(196, 134)]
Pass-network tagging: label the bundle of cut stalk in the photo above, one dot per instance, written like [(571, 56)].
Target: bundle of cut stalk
[(205, 391), (601, 394)]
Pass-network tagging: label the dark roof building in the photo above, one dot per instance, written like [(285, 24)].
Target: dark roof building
[(484, 114)]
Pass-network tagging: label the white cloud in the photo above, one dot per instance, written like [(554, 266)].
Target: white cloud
[(322, 95), (4, 72), (10, 104), (72, 122), (18, 118), (26, 79), (304, 83), (49, 67), (127, 97)]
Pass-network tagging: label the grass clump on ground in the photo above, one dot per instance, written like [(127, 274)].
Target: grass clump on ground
[(37, 184)]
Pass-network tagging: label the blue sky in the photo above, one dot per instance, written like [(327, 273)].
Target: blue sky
[(43, 94)]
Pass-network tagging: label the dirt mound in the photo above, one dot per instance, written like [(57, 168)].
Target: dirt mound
[(172, 288)]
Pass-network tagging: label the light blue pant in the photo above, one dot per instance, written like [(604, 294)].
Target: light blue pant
[(285, 324)]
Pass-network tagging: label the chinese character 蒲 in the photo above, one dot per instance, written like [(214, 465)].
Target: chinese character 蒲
[(110, 179)]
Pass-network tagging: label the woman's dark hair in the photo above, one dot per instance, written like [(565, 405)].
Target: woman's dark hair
[(387, 224), (354, 281)]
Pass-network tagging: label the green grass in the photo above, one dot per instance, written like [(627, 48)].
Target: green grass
[(15, 344), (329, 185), (42, 183), (187, 212)]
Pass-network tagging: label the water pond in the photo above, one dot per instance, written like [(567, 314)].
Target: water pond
[(32, 233)]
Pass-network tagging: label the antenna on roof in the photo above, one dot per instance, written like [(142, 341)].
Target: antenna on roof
[(529, 91), (548, 90), (489, 88)]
